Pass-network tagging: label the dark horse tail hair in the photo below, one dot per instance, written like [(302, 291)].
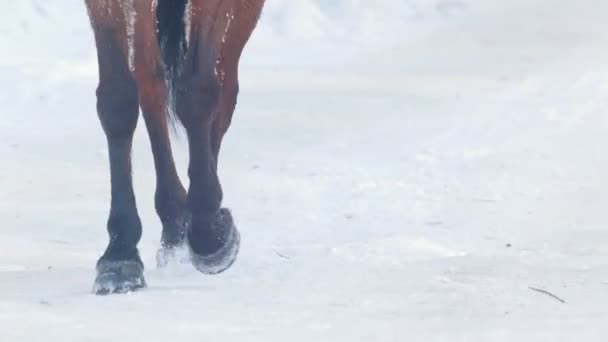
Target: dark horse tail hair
[(171, 33), (172, 42)]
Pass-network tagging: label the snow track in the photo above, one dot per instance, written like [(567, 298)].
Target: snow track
[(399, 171)]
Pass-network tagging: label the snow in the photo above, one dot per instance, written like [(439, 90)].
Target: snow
[(399, 170)]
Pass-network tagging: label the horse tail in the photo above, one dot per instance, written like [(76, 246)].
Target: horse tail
[(171, 32), (171, 38)]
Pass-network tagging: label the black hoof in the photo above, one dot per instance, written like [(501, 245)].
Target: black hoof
[(220, 259), (119, 277)]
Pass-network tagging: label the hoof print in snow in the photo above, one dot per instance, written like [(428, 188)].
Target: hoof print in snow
[(221, 258), (119, 277)]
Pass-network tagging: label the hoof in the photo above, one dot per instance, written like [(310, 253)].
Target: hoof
[(173, 242), (221, 259), (119, 277), (172, 255)]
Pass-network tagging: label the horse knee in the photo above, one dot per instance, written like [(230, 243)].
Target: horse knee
[(117, 102), (117, 107)]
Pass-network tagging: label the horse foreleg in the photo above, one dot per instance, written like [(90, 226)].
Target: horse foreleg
[(120, 269), (212, 237)]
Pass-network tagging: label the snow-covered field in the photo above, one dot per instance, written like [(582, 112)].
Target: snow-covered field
[(400, 171)]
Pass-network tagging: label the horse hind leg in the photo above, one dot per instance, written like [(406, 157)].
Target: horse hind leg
[(120, 268), (170, 197)]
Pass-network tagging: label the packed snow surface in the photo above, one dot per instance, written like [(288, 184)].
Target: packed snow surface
[(399, 170)]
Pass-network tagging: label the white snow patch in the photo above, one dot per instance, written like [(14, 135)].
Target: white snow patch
[(399, 170)]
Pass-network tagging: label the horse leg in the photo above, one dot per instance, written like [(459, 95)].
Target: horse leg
[(170, 197), (213, 239), (206, 96), (120, 268), (223, 116), (234, 34)]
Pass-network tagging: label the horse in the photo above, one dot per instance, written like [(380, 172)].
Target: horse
[(177, 61)]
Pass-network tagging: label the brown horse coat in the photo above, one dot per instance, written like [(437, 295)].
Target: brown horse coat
[(157, 55)]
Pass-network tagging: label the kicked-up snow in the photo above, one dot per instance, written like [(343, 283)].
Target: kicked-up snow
[(399, 170)]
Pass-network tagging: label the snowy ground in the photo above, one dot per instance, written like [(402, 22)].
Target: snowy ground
[(400, 171)]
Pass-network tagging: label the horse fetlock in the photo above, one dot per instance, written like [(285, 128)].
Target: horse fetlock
[(174, 229), (170, 202), (205, 195), (125, 232)]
